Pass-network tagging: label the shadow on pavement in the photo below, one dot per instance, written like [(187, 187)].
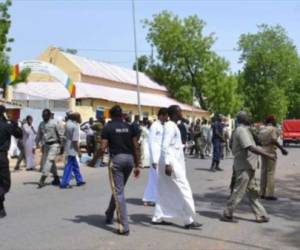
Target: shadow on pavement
[(145, 221), (135, 201), (203, 169), (33, 183), (95, 220)]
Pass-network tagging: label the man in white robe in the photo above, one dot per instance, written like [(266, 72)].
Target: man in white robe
[(29, 135), (174, 195), (155, 140)]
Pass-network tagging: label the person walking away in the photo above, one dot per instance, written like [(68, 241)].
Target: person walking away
[(204, 137), (217, 140), (197, 135), (50, 138), (268, 137), (21, 156), (155, 140), (90, 136), (122, 142), (97, 128), (7, 129), (183, 132), (245, 164), (29, 136), (72, 150), (144, 144), (226, 135), (174, 195), (192, 139)]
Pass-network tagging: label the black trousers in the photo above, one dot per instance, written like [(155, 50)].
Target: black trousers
[(4, 177)]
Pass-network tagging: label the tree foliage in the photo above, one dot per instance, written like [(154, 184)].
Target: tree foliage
[(5, 68), (143, 63), (185, 60), (270, 74)]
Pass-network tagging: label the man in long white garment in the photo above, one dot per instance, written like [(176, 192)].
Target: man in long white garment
[(155, 140), (29, 136), (174, 195)]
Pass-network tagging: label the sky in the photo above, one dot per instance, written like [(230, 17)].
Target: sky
[(103, 29)]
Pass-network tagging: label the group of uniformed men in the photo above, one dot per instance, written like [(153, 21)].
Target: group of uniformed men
[(173, 195)]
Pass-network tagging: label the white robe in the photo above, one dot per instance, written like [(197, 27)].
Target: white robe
[(155, 140), (174, 195), (145, 147), (29, 143)]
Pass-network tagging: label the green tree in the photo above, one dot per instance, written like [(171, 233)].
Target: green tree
[(269, 73), (5, 68), (143, 63), (185, 60), (69, 50)]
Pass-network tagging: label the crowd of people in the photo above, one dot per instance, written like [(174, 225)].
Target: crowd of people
[(161, 146)]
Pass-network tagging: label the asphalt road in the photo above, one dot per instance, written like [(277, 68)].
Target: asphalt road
[(56, 219)]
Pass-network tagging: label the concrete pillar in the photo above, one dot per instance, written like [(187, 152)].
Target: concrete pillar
[(72, 104), (9, 93)]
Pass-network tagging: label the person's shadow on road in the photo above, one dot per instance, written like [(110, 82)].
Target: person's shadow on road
[(95, 220)]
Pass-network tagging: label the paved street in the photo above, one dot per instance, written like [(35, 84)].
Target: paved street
[(73, 219)]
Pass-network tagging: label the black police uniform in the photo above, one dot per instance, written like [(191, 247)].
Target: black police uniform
[(6, 131), (119, 135)]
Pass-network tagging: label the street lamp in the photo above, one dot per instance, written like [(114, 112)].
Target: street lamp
[(136, 62)]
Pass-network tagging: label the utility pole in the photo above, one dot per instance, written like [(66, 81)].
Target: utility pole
[(136, 62)]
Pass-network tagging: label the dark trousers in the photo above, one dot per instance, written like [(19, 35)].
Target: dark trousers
[(217, 149), (122, 165), (90, 144), (72, 166), (21, 157), (4, 177)]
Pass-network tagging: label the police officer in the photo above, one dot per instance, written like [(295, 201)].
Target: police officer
[(97, 128), (48, 135), (197, 136), (122, 141), (245, 163), (7, 129), (217, 140), (268, 137)]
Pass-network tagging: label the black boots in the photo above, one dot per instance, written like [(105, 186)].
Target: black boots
[(215, 166), (56, 181), (218, 166), (42, 181), (2, 210)]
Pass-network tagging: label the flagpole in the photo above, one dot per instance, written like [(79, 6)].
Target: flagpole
[(136, 62)]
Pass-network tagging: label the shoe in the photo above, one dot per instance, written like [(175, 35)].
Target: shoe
[(193, 225), (271, 198), (125, 233), (2, 213), (42, 182), (262, 219), (81, 183), (66, 187), (218, 166), (30, 169), (56, 181), (162, 223), (17, 169), (262, 197), (109, 221), (228, 218)]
